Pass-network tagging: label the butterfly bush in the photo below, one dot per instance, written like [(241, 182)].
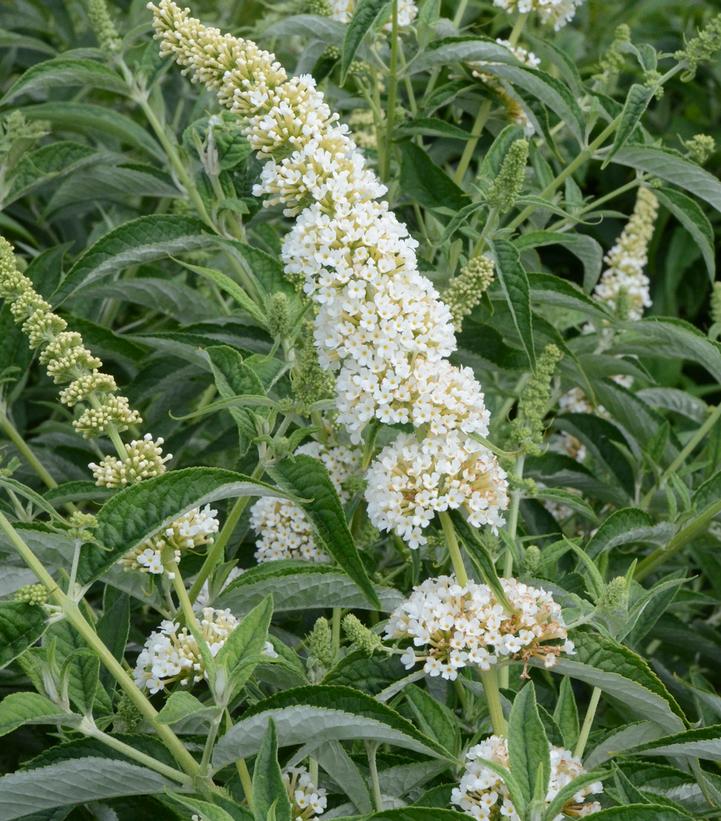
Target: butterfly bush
[(483, 794), (376, 314), (307, 800)]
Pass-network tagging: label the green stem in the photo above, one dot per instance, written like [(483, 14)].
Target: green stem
[(75, 618), (569, 221), (371, 750), (688, 449), (186, 606), (489, 679), (24, 450), (484, 112), (587, 723), (513, 511), (210, 742), (88, 728), (568, 171), (217, 550), (335, 630), (392, 92), (454, 549), (518, 29)]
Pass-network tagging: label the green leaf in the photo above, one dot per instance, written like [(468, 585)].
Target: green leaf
[(626, 738), (62, 72), (514, 283), (433, 718), (233, 378), (586, 248), (76, 781), (672, 167), (552, 290), (297, 586), (422, 180), (48, 163), (627, 526), (637, 100), (623, 675), (243, 648), (87, 118), (202, 809), (690, 214), (141, 240), (18, 709), (11, 39), (181, 705), (528, 750), (565, 714), (365, 16), (231, 287), (641, 812), (669, 338), (704, 743), (307, 477), (480, 557), (308, 25), (432, 127), (417, 814), (139, 511), (314, 715), (461, 50), (333, 758), (80, 667), (268, 788), (21, 625)]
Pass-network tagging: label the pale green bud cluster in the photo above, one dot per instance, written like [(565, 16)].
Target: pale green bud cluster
[(17, 134), (309, 381), (612, 62), (716, 302), (527, 428), (360, 636), (320, 644), (82, 525), (532, 559), (63, 354), (700, 48), (279, 318), (700, 148), (320, 7), (506, 188), (615, 596), (128, 718), (103, 26), (465, 290), (32, 594)]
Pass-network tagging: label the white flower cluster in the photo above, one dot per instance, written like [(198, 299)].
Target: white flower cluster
[(283, 528), (411, 480), (342, 10), (193, 529), (624, 286), (307, 800), (171, 653), (483, 795), (454, 626), (144, 460), (379, 321), (554, 13)]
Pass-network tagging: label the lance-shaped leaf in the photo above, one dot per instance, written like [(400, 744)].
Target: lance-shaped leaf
[(528, 749), (18, 709), (139, 241), (307, 477), (514, 282), (21, 625), (270, 799), (365, 15), (138, 512), (314, 715)]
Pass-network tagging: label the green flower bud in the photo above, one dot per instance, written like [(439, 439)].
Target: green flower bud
[(527, 428), (716, 302), (310, 382), (32, 594), (532, 559), (320, 7), (616, 595), (613, 61), (103, 26), (465, 290), (700, 48), (700, 148), (127, 717), (279, 315), (360, 636), (505, 189), (320, 643)]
